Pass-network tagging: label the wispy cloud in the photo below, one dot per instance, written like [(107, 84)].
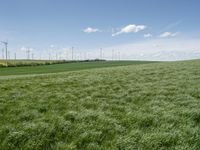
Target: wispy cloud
[(148, 35), (168, 34), (91, 30), (173, 25), (132, 28)]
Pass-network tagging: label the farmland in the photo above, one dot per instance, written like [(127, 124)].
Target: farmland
[(20, 63), (143, 106), (68, 66)]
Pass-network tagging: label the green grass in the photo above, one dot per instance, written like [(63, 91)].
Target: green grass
[(20, 63), (55, 68), (146, 107)]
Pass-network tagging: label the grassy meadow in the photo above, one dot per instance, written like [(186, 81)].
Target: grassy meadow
[(154, 106)]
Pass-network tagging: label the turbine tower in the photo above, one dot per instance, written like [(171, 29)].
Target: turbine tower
[(28, 53), (72, 53), (112, 54), (2, 53), (6, 48), (101, 54)]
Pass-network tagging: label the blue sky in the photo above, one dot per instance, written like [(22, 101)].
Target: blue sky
[(138, 29)]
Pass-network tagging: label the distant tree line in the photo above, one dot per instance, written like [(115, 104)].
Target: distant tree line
[(21, 63)]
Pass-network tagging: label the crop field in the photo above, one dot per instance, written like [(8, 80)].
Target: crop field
[(20, 63), (71, 66), (153, 106)]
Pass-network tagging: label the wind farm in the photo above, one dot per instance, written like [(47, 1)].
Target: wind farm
[(99, 75)]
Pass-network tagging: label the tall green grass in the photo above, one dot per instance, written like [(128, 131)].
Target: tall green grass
[(147, 107)]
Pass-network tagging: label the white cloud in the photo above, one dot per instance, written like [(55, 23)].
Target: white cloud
[(91, 30), (132, 28), (168, 34), (148, 35)]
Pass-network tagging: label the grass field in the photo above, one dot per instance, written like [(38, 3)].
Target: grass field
[(55, 68), (148, 107), (20, 63)]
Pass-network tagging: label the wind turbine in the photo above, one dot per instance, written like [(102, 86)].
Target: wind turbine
[(72, 53), (28, 53), (119, 55), (32, 56), (2, 53), (6, 47), (101, 54), (112, 54)]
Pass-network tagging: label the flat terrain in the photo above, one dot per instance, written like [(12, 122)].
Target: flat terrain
[(146, 107), (18, 63), (55, 68)]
